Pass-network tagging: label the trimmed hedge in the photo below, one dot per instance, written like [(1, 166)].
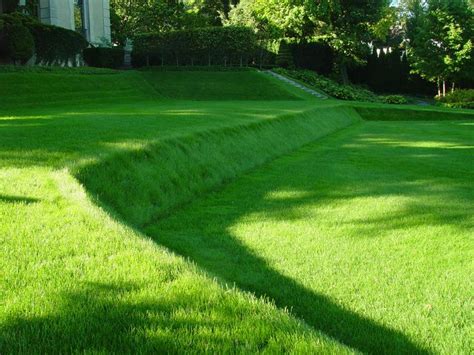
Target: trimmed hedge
[(53, 45), (458, 99), (16, 40), (209, 46), (100, 57)]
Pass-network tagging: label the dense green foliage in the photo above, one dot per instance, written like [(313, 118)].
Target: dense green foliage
[(344, 25), (459, 99), (440, 40), (16, 39), (53, 45), (330, 87), (102, 57), (157, 16), (200, 46), (394, 99)]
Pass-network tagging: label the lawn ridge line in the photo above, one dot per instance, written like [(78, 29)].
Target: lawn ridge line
[(152, 181)]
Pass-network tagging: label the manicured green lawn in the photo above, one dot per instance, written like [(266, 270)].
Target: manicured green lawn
[(366, 235), (357, 242)]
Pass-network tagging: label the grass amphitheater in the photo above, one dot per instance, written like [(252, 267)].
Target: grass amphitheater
[(229, 212)]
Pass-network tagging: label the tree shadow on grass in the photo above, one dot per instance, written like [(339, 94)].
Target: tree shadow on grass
[(350, 169), (106, 318), (18, 199), (203, 233)]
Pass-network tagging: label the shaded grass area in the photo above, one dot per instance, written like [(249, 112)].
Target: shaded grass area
[(365, 236), (62, 135), (76, 280), (149, 182), (205, 85), (383, 112), (345, 246), (43, 89)]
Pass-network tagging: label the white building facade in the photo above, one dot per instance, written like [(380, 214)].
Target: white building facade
[(90, 17)]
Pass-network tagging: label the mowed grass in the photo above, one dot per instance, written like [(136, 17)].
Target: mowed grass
[(366, 235), (203, 85), (358, 242), (75, 279)]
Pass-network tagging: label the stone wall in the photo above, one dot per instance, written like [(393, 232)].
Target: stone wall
[(96, 18), (57, 12)]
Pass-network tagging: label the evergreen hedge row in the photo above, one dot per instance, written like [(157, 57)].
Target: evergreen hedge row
[(102, 57), (227, 46), (52, 45)]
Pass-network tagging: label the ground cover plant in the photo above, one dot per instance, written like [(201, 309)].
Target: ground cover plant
[(293, 257), (329, 86)]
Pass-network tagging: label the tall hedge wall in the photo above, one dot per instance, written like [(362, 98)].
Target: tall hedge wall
[(202, 46), (53, 45)]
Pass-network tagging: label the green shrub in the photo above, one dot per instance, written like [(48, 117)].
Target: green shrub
[(104, 57), (225, 46), (20, 43), (459, 99), (394, 99), (330, 87), (53, 45)]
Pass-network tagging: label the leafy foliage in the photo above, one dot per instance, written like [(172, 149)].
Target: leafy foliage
[(17, 41), (200, 46), (157, 16), (394, 99), (330, 87), (102, 57), (440, 39), (53, 45), (346, 26), (459, 99)]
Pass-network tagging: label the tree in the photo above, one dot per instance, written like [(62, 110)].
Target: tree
[(439, 37), (131, 17), (346, 26)]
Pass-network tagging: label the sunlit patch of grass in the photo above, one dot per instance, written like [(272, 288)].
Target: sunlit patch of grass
[(351, 244)]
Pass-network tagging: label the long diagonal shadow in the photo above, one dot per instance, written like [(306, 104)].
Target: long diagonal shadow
[(225, 257), (205, 237)]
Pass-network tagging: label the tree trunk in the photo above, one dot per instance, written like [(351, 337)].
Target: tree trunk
[(147, 61), (444, 88), (452, 86), (439, 88), (344, 74)]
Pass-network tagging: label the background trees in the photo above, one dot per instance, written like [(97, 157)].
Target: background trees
[(437, 35), (439, 39)]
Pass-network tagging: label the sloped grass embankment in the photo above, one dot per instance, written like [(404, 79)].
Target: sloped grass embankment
[(145, 184)]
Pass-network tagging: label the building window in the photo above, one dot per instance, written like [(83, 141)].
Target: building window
[(79, 16)]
